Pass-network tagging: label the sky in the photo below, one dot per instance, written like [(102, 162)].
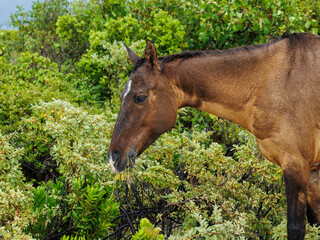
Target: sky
[(10, 6)]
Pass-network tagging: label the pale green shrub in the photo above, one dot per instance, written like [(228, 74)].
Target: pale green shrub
[(81, 145), (82, 197), (15, 194)]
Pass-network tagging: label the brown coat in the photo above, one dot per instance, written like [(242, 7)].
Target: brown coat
[(272, 90)]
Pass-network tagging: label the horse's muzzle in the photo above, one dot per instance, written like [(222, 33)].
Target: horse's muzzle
[(115, 161)]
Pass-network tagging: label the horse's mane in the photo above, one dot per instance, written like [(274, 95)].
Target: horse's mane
[(295, 38)]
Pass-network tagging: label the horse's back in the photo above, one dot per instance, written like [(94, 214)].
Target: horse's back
[(302, 80)]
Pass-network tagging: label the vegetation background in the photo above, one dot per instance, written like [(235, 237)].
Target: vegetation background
[(61, 72)]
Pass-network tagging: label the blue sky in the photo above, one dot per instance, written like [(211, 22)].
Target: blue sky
[(10, 6)]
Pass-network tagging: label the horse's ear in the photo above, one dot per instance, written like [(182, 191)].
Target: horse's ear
[(133, 57), (151, 55)]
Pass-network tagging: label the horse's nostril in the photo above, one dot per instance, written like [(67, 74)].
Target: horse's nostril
[(116, 157)]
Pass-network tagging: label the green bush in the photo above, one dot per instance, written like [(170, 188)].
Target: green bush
[(105, 67), (78, 207), (247, 192), (126, 29), (147, 231), (7, 38), (225, 24), (74, 35), (83, 196), (15, 194), (72, 238), (46, 209), (31, 79), (94, 208), (37, 27), (22, 84), (80, 144), (165, 31)]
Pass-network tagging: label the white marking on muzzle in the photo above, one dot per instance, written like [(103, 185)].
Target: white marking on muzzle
[(111, 162)]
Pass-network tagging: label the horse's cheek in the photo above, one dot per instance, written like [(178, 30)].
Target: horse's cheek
[(167, 120)]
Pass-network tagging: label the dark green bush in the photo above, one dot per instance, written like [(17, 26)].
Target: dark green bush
[(77, 207)]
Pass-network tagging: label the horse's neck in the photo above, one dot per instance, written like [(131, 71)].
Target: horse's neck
[(226, 85)]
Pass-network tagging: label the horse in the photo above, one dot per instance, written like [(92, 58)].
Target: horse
[(272, 90)]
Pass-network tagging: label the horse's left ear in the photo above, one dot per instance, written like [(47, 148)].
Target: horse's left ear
[(132, 56), (151, 55)]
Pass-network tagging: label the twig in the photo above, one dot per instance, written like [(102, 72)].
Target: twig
[(129, 221)]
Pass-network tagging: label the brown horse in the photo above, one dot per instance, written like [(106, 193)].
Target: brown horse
[(272, 90)]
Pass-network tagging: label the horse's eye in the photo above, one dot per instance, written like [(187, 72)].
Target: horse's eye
[(140, 98)]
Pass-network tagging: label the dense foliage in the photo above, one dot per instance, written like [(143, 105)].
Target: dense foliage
[(61, 73)]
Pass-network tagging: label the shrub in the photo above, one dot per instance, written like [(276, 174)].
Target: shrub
[(15, 194), (80, 145), (22, 84), (126, 29), (80, 202), (77, 208), (37, 27), (165, 31), (94, 208), (74, 34), (105, 67), (7, 38), (147, 231), (226, 24)]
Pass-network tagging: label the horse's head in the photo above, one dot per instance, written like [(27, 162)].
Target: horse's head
[(148, 109)]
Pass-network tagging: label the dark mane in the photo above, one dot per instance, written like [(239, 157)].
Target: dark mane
[(294, 39), (192, 54), (138, 64), (298, 39)]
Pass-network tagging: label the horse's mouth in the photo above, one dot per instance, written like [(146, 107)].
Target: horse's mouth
[(119, 166), (132, 160)]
